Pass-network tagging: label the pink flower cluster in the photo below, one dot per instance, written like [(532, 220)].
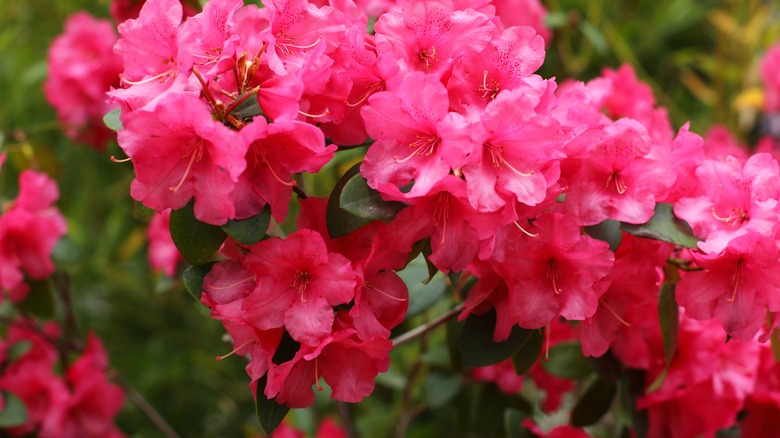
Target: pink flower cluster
[(80, 403), (501, 170), (30, 227), (82, 67)]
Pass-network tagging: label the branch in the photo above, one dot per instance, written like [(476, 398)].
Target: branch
[(428, 326), (140, 402)]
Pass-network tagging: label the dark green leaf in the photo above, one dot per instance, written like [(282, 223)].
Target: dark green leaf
[(353, 205), (513, 424), (14, 413), (269, 411), (247, 109), (426, 252), (196, 241), (664, 226), (193, 278), (634, 384), (668, 314), (477, 346), (40, 300), (111, 120), (441, 388), (567, 361), (251, 230), (528, 353), (286, 349), (608, 231), (594, 403)]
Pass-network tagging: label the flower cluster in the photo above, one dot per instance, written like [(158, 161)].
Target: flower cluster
[(30, 227), (522, 183), (79, 403)]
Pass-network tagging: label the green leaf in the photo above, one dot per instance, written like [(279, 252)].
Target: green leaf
[(528, 353), (193, 278), (353, 205), (426, 252), (196, 241), (269, 411), (441, 388), (251, 230), (421, 295), (111, 120), (608, 231), (594, 403), (513, 424), (476, 342), (668, 314), (567, 361), (14, 413), (664, 226), (248, 109)]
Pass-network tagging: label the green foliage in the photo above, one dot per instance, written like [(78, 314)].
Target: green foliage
[(14, 412), (250, 230), (477, 346), (111, 120), (664, 226), (197, 241)]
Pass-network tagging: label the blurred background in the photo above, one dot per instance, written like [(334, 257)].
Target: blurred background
[(699, 56)]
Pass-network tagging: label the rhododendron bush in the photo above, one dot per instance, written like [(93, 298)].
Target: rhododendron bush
[(404, 206)]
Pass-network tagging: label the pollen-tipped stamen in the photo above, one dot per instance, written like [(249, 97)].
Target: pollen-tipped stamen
[(422, 146), (736, 279), (526, 232), (195, 153), (368, 285), (612, 311), (234, 284), (235, 350), (553, 274)]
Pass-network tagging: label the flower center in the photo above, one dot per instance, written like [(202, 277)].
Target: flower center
[(490, 90), (736, 217), (428, 56), (301, 282), (617, 179), (496, 153), (553, 275), (423, 146)]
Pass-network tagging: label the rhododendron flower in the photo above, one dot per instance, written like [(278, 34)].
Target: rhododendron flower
[(82, 67), (163, 255), (736, 286), (29, 229), (744, 199), (502, 374), (523, 13), (298, 283), (179, 152), (770, 65), (346, 363), (428, 35), (619, 180)]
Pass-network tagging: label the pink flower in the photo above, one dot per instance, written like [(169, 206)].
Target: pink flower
[(298, 283), (619, 180), (770, 66), (523, 13), (82, 67), (428, 36), (179, 153), (29, 230), (736, 286), (502, 374), (163, 255)]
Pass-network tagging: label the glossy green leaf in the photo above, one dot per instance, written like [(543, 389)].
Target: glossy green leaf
[(609, 231), (478, 349), (251, 230), (422, 295), (196, 241), (111, 120), (14, 413), (528, 353), (248, 109), (193, 278), (353, 205), (664, 226), (567, 361), (594, 403), (269, 411), (668, 315)]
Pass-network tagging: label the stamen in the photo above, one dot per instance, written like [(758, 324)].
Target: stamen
[(317, 373), (228, 286), (291, 183), (372, 88), (553, 274), (286, 43), (250, 340), (301, 282), (486, 90), (612, 311), (368, 285), (314, 116), (422, 146), (620, 185), (547, 342), (736, 217), (441, 212), (195, 153), (736, 279), (497, 157), (526, 232), (115, 160), (427, 55), (164, 75)]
